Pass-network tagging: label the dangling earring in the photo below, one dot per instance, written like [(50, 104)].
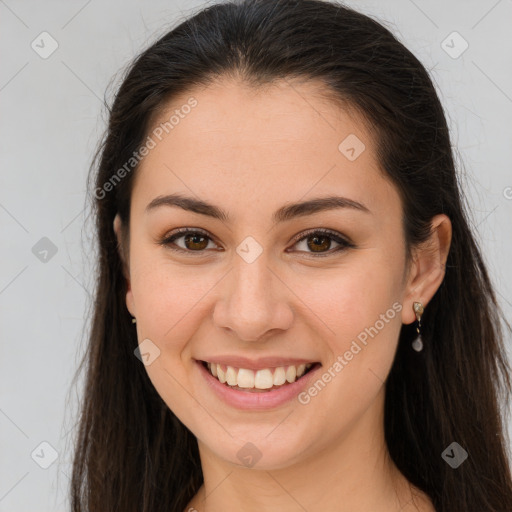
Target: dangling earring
[(417, 344), (134, 320)]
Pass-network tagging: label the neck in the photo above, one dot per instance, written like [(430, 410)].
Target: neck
[(354, 474)]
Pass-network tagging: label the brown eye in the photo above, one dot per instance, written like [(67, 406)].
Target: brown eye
[(320, 242), (317, 242), (187, 240), (195, 241)]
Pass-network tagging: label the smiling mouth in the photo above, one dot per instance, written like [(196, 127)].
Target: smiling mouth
[(259, 381)]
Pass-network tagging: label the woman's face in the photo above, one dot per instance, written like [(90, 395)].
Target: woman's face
[(258, 289)]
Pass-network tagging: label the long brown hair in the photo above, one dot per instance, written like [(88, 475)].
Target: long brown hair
[(131, 452)]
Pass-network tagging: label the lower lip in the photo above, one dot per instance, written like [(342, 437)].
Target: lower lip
[(254, 400)]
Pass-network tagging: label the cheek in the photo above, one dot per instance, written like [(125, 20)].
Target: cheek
[(363, 310), (168, 304), (361, 306), (166, 299), (352, 298)]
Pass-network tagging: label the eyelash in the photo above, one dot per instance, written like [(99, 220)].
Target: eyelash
[(179, 233)]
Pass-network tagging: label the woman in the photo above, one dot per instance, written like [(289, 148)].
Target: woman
[(291, 311)]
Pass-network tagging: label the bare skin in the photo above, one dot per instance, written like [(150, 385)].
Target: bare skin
[(250, 153)]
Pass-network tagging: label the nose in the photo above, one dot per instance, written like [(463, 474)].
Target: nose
[(254, 303)]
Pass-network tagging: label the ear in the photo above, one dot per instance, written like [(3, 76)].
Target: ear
[(428, 267), (126, 267)]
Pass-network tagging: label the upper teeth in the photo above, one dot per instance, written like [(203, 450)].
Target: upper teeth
[(261, 379)]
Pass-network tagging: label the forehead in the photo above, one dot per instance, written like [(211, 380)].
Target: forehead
[(285, 112), (273, 143)]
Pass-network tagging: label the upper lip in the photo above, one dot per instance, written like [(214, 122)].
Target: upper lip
[(259, 363)]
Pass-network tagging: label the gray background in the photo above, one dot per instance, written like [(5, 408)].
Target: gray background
[(51, 120)]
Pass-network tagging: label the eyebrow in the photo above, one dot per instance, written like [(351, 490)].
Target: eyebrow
[(285, 213)]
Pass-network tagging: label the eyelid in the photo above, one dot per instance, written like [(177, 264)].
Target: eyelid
[(167, 239), (345, 242), (325, 231)]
